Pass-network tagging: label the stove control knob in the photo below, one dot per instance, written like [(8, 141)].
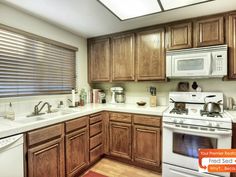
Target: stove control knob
[(209, 124), (181, 121)]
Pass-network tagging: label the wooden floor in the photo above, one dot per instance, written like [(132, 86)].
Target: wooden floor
[(116, 169)]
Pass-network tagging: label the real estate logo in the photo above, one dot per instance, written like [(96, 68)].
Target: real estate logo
[(217, 160)]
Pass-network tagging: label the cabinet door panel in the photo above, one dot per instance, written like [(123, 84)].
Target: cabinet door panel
[(47, 160), (150, 55), (123, 57), (99, 60), (179, 36), (76, 151), (209, 32), (147, 145), (120, 140), (232, 45)]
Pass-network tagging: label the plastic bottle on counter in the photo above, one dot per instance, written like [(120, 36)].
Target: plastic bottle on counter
[(10, 114)]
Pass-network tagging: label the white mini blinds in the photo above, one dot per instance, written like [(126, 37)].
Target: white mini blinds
[(127, 9), (29, 66)]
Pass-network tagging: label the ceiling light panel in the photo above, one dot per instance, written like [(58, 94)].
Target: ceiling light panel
[(126, 9), (172, 4)]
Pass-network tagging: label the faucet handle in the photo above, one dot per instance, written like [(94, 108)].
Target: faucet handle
[(49, 108)]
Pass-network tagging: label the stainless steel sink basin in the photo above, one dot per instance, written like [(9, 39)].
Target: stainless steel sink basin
[(45, 116)]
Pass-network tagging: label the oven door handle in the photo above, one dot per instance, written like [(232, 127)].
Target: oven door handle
[(225, 132)]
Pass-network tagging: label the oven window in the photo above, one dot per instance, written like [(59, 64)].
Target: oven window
[(185, 65), (188, 145)]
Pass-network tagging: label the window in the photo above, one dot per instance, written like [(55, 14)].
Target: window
[(33, 65)]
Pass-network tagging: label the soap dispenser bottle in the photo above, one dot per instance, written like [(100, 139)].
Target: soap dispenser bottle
[(10, 114)]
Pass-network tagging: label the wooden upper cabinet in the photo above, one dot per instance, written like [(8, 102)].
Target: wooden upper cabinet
[(231, 40), (209, 31), (150, 55), (123, 57), (99, 60), (179, 36)]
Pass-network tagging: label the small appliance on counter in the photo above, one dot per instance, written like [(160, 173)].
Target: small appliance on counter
[(118, 95)]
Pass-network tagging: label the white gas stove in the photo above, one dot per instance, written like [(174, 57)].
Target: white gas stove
[(187, 128)]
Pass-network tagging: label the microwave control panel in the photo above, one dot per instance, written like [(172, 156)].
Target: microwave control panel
[(219, 65)]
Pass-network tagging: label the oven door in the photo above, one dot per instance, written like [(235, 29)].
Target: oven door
[(180, 145), (191, 65)]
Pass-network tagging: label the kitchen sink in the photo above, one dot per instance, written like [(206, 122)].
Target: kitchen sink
[(45, 116)]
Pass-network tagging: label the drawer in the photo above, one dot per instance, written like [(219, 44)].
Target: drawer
[(121, 117), (76, 124), (95, 129), (95, 118), (96, 153), (95, 141), (44, 134), (147, 120)]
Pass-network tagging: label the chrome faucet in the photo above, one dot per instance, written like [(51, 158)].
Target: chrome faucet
[(49, 107), (36, 108)]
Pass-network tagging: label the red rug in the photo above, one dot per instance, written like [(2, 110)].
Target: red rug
[(93, 174)]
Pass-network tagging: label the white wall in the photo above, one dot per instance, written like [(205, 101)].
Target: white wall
[(136, 91), (18, 19)]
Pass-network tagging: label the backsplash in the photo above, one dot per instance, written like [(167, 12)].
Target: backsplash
[(136, 91)]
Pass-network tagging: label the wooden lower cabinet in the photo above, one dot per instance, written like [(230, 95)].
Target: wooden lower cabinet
[(146, 145), (46, 152), (120, 140), (76, 151)]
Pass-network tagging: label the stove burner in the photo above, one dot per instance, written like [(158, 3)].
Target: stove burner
[(210, 114), (179, 111)]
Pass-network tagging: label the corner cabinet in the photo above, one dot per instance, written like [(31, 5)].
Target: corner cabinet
[(99, 60), (122, 54), (150, 55), (46, 152), (179, 36), (231, 40), (209, 31)]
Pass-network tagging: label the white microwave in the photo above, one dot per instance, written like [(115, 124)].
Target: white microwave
[(201, 62)]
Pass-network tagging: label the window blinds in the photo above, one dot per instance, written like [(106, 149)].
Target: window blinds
[(32, 67)]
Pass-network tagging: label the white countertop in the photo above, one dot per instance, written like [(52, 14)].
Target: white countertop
[(8, 127), (232, 113)]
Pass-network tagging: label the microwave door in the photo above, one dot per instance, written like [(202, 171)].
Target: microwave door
[(191, 65)]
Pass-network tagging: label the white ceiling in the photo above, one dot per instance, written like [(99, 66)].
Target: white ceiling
[(88, 18)]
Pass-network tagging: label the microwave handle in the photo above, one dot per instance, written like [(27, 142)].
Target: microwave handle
[(210, 63)]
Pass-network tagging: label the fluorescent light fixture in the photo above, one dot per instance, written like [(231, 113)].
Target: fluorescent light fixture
[(126, 9), (172, 4)]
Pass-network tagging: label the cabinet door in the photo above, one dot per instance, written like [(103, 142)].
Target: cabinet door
[(150, 55), (47, 159), (120, 140), (123, 57), (179, 36), (147, 145), (231, 37), (106, 133), (99, 60), (77, 153), (209, 32)]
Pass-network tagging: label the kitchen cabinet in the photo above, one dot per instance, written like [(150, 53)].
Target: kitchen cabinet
[(96, 140), (231, 40), (209, 31), (46, 152), (99, 60), (120, 135), (106, 133), (76, 141), (179, 36), (150, 55), (123, 63), (147, 140)]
